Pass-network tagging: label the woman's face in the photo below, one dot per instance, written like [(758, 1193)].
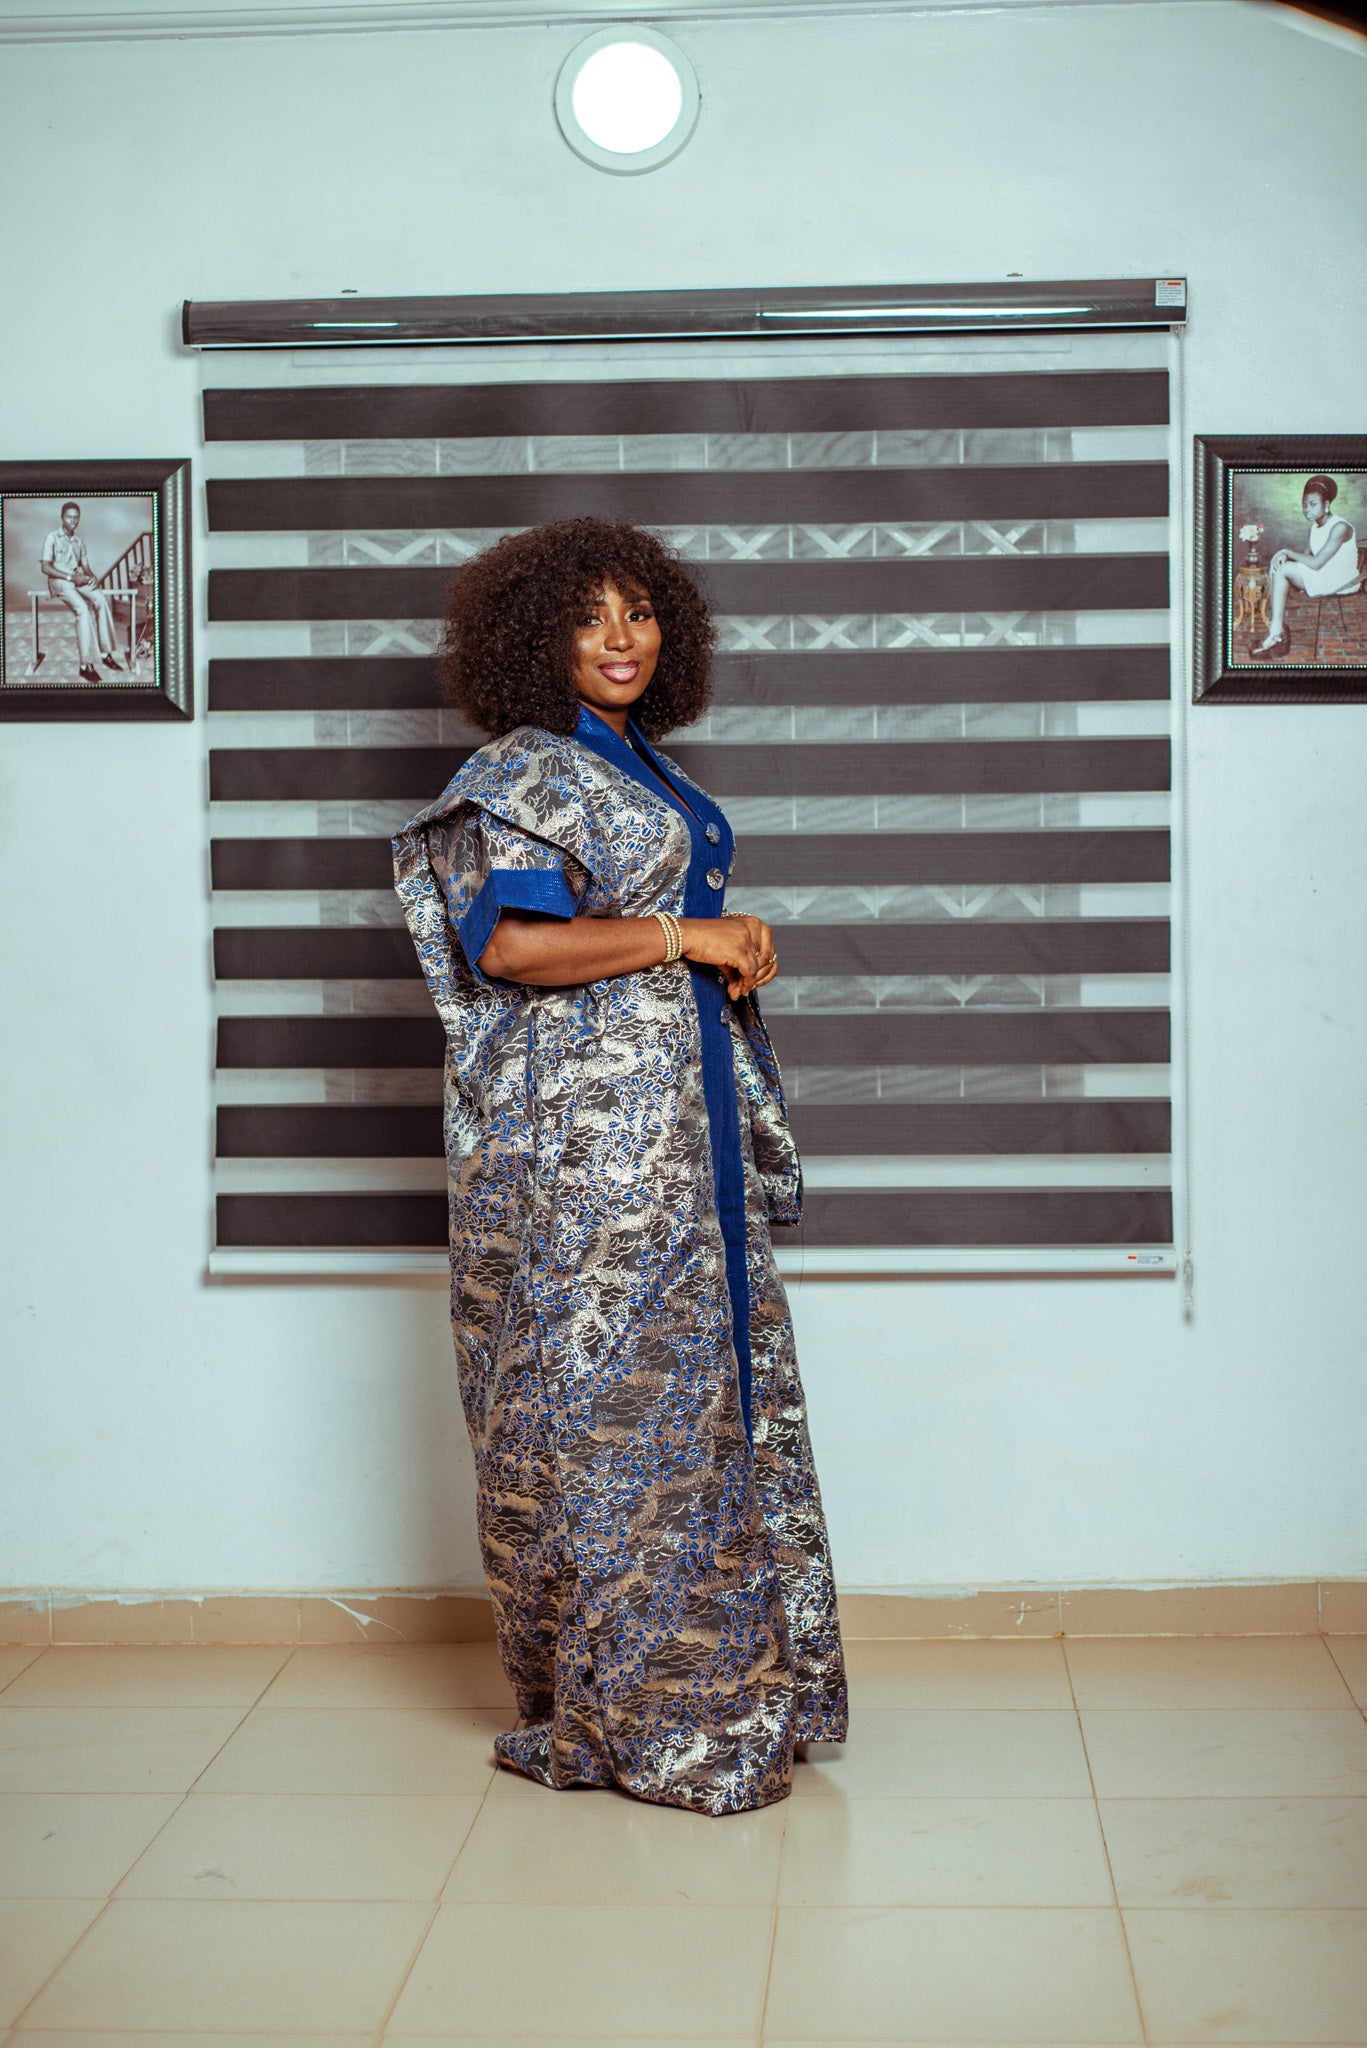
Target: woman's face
[(615, 648), (1313, 506)]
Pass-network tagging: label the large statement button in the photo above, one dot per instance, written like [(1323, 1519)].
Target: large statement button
[(715, 879), (713, 834)]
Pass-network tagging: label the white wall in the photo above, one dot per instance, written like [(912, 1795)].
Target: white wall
[(162, 1432)]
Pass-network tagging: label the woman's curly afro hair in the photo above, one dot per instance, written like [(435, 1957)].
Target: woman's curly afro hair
[(506, 647)]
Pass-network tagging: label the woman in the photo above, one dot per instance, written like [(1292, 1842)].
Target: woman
[(1327, 566), (617, 1145)]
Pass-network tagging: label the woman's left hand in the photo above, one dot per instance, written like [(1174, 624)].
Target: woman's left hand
[(739, 946), (765, 948)]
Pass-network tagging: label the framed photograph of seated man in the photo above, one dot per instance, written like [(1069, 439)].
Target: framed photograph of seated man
[(1281, 570), (95, 590)]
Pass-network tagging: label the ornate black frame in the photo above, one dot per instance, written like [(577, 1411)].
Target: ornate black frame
[(1214, 681), (172, 696)]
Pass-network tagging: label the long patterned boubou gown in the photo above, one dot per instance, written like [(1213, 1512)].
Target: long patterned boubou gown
[(649, 1514)]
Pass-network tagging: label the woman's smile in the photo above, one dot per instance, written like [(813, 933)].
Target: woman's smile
[(615, 650)]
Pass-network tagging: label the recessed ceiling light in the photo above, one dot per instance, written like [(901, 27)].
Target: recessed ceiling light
[(626, 99)]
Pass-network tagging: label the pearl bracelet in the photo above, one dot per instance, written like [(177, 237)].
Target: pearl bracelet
[(669, 925)]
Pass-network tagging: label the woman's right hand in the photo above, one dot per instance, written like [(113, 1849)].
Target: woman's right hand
[(741, 948)]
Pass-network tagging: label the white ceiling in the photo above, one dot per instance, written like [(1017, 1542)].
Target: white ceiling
[(116, 20)]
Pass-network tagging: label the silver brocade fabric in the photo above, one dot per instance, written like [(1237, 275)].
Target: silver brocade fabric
[(664, 1602)]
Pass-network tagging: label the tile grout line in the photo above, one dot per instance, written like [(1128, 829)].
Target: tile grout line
[(1138, 1635), (269, 1684), (419, 1706), (773, 1925), (1343, 1676), (1105, 1846), (1361, 1705), (109, 1900), (437, 1706), (185, 1795), (60, 1963), (39, 1651), (65, 1957), (437, 1905), (889, 1905)]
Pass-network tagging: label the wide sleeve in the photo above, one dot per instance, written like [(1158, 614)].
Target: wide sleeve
[(485, 865)]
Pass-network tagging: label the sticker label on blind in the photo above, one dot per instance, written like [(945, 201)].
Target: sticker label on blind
[(1170, 291)]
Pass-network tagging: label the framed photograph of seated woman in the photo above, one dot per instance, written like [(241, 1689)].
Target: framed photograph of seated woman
[(1281, 569), (95, 590)]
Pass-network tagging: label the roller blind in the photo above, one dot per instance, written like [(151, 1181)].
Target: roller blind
[(940, 729)]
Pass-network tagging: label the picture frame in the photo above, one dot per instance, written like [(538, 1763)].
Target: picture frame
[(95, 590), (1270, 548)]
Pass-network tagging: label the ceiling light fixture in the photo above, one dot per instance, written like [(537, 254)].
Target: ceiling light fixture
[(626, 99)]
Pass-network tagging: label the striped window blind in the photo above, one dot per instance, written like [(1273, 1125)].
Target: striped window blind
[(940, 729)]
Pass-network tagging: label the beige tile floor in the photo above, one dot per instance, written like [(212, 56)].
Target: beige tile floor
[(1096, 1842)]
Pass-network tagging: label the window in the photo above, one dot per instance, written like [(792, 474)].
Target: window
[(941, 730)]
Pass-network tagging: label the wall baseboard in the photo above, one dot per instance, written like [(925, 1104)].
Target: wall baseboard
[(1273, 1607)]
